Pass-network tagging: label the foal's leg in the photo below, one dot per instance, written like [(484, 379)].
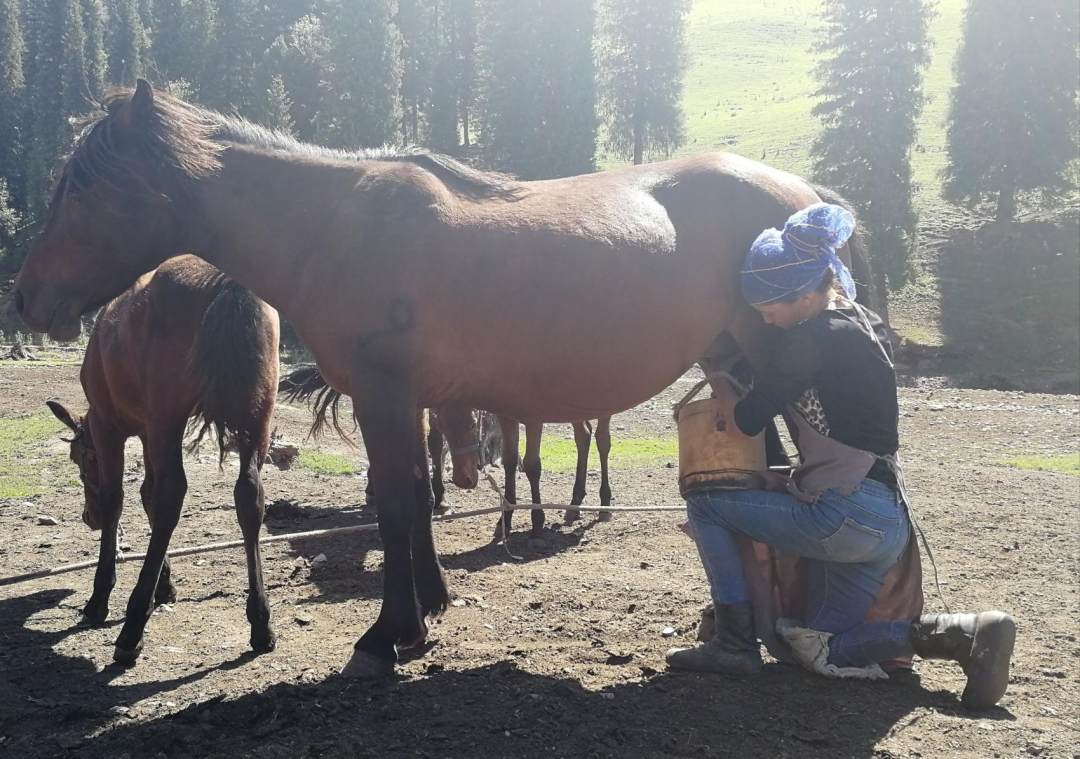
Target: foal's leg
[(510, 438), (603, 447), (166, 590), (437, 451), (165, 451), (531, 465), (250, 508), (431, 588), (109, 447), (386, 411), (582, 439)]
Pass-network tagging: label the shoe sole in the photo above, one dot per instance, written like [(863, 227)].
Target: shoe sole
[(991, 652)]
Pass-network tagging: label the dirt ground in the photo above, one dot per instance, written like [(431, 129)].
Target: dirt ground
[(559, 654)]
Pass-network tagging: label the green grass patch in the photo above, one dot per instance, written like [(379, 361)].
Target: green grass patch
[(1068, 463), (749, 88), (560, 455), (27, 468), (322, 462)]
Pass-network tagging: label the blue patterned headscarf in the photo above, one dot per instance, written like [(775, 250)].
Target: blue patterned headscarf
[(782, 266)]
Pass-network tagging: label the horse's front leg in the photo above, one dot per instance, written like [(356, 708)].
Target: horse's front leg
[(164, 448), (603, 447), (109, 448), (386, 412), (582, 440), (531, 464), (510, 439)]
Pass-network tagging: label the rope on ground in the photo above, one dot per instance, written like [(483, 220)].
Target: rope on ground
[(504, 506)]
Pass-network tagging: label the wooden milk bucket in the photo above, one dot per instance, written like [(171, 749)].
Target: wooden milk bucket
[(713, 454)]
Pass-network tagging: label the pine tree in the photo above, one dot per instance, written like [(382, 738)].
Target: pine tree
[(870, 97), (95, 55), (362, 103), (230, 81), (128, 43), (301, 57), (538, 71), (277, 107), (642, 63), (1013, 117), (414, 22), (9, 217), (11, 94), (168, 43), (463, 32), (74, 72)]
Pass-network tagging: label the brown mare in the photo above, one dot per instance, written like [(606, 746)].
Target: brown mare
[(185, 341), (600, 290)]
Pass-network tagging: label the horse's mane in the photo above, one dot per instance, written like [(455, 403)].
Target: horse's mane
[(187, 140)]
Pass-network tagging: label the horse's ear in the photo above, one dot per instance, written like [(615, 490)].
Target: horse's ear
[(140, 108), (62, 414)]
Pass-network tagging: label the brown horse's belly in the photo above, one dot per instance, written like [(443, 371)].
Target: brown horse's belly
[(616, 356)]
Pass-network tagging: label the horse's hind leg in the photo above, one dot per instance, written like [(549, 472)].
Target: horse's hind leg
[(510, 438), (531, 465), (431, 590), (164, 449), (582, 440), (166, 589), (109, 446), (250, 507), (603, 447)]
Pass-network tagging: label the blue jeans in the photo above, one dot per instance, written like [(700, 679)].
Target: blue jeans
[(851, 541)]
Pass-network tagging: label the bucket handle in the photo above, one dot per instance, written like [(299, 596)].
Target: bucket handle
[(739, 388)]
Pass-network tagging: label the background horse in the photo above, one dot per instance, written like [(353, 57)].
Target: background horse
[(185, 342), (532, 465), (457, 424), (602, 289)]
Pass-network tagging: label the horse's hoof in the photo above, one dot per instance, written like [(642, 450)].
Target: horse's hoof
[(126, 657), (367, 666), (94, 617), (572, 516), (605, 516), (167, 596), (263, 642), (442, 510)]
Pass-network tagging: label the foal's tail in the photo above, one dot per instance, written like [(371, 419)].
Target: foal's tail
[(235, 361), (861, 270), (307, 385)]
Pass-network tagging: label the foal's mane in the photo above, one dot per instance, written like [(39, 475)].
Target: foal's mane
[(187, 140)]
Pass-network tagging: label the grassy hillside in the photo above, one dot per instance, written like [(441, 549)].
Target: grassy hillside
[(750, 85)]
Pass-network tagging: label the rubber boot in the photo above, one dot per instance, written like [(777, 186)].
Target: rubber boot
[(981, 643), (733, 649)]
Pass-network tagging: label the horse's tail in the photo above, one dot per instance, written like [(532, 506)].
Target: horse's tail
[(861, 270), (307, 385), (235, 363)]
